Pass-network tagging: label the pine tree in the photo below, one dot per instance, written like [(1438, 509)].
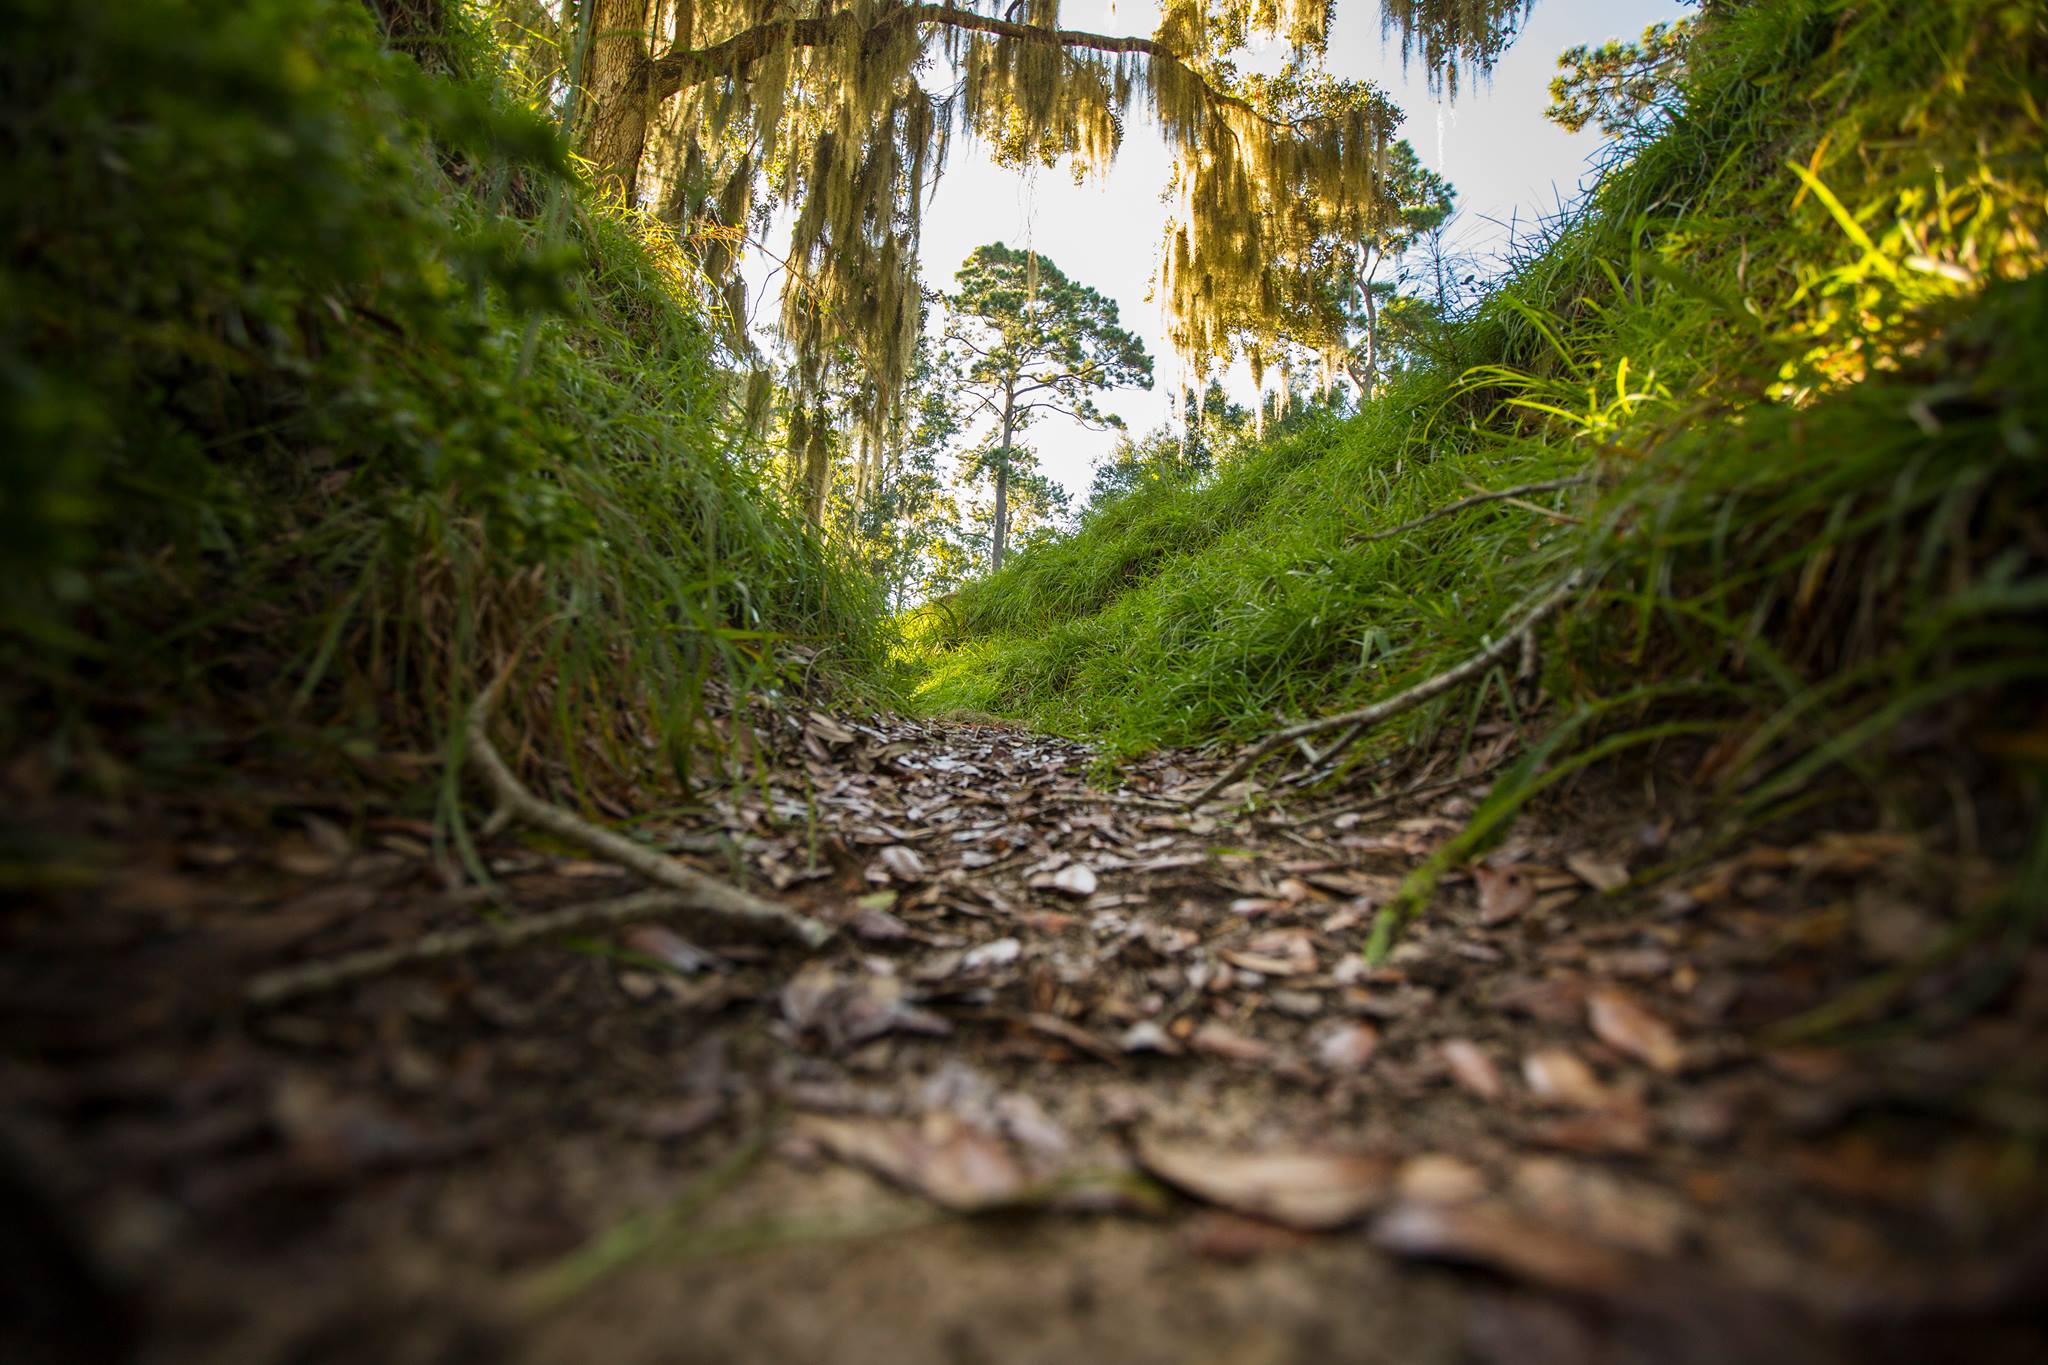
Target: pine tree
[(1029, 341)]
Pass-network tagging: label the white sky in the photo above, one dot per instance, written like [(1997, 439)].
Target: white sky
[(1505, 159)]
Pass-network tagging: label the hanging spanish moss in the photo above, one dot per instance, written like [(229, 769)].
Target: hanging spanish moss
[(842, 114)]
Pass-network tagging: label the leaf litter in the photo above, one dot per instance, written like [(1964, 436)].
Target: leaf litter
[(1041, 1003)]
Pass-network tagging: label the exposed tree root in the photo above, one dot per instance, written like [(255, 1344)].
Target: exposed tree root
[(702, 893), (313, 978), (1359, 722)]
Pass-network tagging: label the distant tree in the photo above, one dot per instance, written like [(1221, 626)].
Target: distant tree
[(1029, 341), (909, 520), (1211, 428), (1619, 86), (1419, 203)]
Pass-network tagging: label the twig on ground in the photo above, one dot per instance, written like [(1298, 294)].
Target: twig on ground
[(1450, 509), (314, 978), (703, 892), (1505, 642)]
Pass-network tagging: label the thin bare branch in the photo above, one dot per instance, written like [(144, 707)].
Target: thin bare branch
[(315, 978), (1504, 643), (1449, 509)]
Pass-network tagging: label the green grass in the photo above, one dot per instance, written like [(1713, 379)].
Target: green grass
[(1796, 345), (1740, 339), (326, 388)]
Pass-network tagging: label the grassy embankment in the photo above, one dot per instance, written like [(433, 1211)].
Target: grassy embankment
[(325, 386), (1797, 344)]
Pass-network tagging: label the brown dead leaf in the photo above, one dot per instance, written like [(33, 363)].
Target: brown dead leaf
[(877, 926), (853, 1009), (1472, 1068), (1618, 1021), (1220, 1040), (954, 1164), (1074, 1036), (671, 949), (1504, 893), (1489, 1235), (1560, 1076), (900, 862), (1307, 1191), (1346, 1048), (1602, 874), (1438, 1178)]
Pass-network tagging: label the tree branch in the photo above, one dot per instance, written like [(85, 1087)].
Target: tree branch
[(1507, 494), (681, 67), (1504, 643)]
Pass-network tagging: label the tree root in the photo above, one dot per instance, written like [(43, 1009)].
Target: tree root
[(699, 891), (314, 978), (681, 889), (1361, 721)]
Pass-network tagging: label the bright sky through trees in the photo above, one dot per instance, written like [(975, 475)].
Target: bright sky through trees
[(1494, 145)]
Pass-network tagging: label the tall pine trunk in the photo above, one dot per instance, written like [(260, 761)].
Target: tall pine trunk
[(1002, 528)]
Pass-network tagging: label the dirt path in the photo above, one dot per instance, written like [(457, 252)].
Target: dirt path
[(1083, 1079)]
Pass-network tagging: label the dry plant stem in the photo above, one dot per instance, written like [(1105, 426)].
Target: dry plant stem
[(1508, 494), (1361, 720), (703, 893), (314, 978)]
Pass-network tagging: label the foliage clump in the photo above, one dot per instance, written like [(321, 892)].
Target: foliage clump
[(324, 387)]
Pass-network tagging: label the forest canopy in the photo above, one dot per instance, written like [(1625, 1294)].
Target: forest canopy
[(718, 114)]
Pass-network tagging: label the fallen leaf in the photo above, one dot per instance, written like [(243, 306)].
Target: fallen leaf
[(952, 1163), (877, 926), (1076, 879), (1472, 1068), (1307, 1191), (1219, 1040), (1504, 893), (995, 953), (1602, 874), (901, 862), (671, 949), (1560, 1076), (1052, 1026), (1488, 1235), (1438, 1178), (1347, 1048), (853, 1009), (1618, 1021)]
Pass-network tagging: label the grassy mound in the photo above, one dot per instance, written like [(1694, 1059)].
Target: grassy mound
[(1792, 353), (1792, 344), (325, 387)]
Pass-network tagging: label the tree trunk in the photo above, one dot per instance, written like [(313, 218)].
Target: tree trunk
[(612, 127), (1372, 346), (1002, 528)]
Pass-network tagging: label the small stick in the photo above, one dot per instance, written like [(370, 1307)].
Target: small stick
[(702, 892), (1547, 486), (313, 978), (1362, 718)]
